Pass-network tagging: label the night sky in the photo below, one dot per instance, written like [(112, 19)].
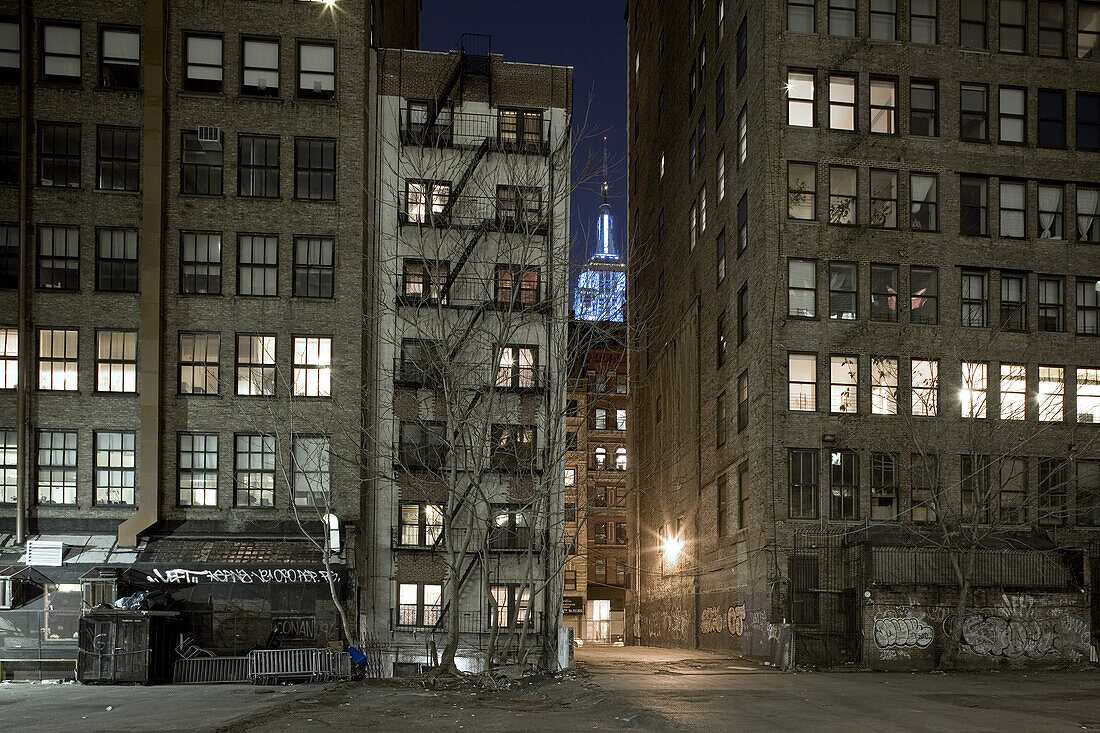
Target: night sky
[(590, 36)]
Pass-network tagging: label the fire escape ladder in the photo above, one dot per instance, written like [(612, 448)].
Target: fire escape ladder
[(449, 87), (453, 274), (456, 191)]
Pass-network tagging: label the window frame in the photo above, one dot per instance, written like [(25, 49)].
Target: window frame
[(67, 161), (210, 369), (261, 448), (312, 93), (125, 483), (254, 90), (105, 62), (114, 273), (308, 176), (251, 265), (204, 472), (44, 56), (200, 85), (125, 364), (190, 269), (314, 277)]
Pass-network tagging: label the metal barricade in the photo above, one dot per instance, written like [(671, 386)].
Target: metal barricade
[(206, 670), (271, 666)]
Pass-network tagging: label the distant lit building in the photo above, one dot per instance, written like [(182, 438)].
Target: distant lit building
[(601, 287)]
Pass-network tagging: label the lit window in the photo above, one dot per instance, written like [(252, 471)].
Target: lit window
[(884, 385), (1088, 30), (255, 365), (419, 604), (260, 67), (1012, 210), (203, 63), (842, 102), (802, 191), (884, 106), (802, 382), (425, 200), (1051, 393), (312, 366), (57, 360), (742, 136), (720, 175), (620, 459), (1088, 214), (316, 70), (421, 524), (115, 475), (800, 98), (843, 384), (1013, 391), (8, 462), (56, 467), (516, 367), (119, 58), (802, 288), (9, 358), (199, 363), (60, 49), (311, 470), (972, 394), (116, 361), (197, 472), (926, 387), (516, 287), (1088, 395)]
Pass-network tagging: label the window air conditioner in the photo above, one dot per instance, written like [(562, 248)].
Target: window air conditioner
[(45, 552), (210, 137)]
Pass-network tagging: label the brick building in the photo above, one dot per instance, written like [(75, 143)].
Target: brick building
[(864, 284), (471, 195), (184, 219)]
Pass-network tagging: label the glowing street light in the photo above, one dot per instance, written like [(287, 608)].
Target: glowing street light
[(671, 547)]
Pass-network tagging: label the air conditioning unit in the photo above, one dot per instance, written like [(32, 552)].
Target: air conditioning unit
[(45, 552), (210, 137)]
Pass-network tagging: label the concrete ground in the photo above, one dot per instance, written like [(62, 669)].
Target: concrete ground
[(616, 688)]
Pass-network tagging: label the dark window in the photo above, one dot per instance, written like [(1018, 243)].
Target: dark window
[(800, 16), (519, 206), (201, 263), (884, 487), (924, 483), (742, 48), (720, 256), (802, 191), (59, 258), (316, 70), (1052, 306), (720, 339), (972, 19), (201, 162), (742, 224), (884, 20), (1052, 28), (1013, 302), (9, 258), (843, 289), (202, 63), (743, 496), (1053, 487), (424, 280), (924, 291), (802, 482), (1013, 29), (923, 195), (884, 293), (510, 529), (803, 572), (10, 41), (1012, 499), (513, 447), (119, 58), (884, 199), (58, 155), (974, 112), (315, 168), (254, 470), (720, 96), (314, 265), (59, 46), (973, 206), (843, 195), (722, 504), (924, 108), (720, 418), (260, 67), (516, 287), (923, 25), (975, 299), (9, 151), (742, 314), (843, 484), (842, 18), (1088, 493), (258, 166), (1088, 120), (423, 444), (1052, 118), (116, 262), (258, 264), (742, 401), (1088, 30), (1088, 306), (118, 159)]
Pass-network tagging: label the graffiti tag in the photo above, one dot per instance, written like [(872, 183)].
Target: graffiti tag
[(240, 575), (902, 632), (996, 636), (711, 622), (735, 619)]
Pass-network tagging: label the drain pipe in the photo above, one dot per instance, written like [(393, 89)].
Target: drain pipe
[(23, 342)]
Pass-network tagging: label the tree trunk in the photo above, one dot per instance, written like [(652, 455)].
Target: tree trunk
[(950, 652)]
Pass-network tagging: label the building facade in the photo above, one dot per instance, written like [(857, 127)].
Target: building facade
[(180, 345), (469, 321), (864, 284)]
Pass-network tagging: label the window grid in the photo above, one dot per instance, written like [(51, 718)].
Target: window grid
[(844, 384), (202, 63), (116, 361), (258, 166), (1013, 391), (56, 467), (115, 474), (925, 375), (200, 165), (118, 158), (802, 382), (255, 365), (260, 67), (58, 155), (57, 359), (314, 267), (311, 468), (312, 375), (59, 46), (254, 470), (200, 366), (58, 258), (201, 263), (116, 264), (9, 358), (197, 469), (258, 265), (315, 169)]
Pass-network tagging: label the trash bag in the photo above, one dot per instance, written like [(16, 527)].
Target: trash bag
[(147, 600)]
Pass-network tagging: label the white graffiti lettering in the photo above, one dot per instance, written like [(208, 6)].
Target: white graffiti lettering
[(735, 619), (174, 576), (711, 621), (902, 632)]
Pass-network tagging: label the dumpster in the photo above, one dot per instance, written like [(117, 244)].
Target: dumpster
[(127, 647)]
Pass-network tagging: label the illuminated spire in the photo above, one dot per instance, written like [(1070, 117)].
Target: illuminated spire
[(601, 287)]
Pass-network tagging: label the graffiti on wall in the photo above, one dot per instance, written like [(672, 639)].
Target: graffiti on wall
[(996, 636), (735, 619), (240, 575), (714, 621), (903, 632)]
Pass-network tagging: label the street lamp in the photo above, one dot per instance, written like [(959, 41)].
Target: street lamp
[(671, 547)]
